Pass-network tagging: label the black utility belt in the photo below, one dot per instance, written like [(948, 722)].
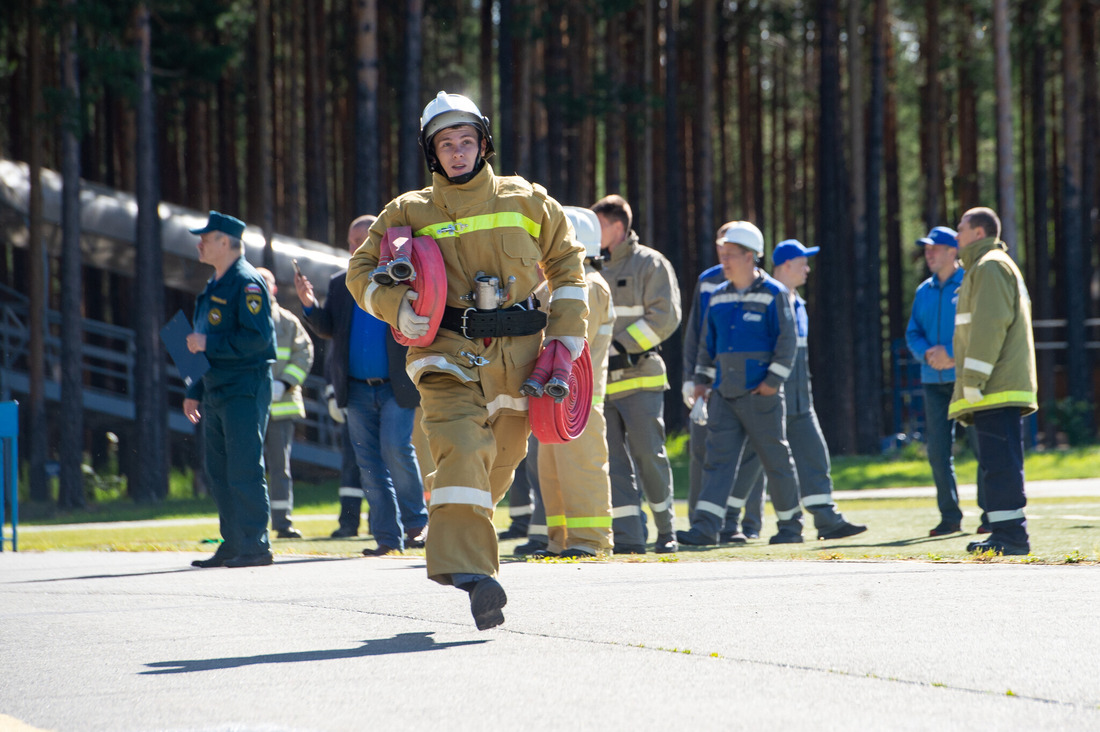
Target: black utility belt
[(626, 360), (474, 323)]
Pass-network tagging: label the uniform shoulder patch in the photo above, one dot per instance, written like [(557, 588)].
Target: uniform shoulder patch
[(253, 288)]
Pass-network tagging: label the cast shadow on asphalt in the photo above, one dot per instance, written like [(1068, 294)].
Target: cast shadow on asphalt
[(279, 561), (400, 643)]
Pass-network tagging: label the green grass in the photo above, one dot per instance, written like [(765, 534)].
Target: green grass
[(1064, 530)]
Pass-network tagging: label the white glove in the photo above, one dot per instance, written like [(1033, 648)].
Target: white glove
[(972, 394), (409, 323), (687, 390), (278, 388), (573, 344), (699, 412), (339, 416)]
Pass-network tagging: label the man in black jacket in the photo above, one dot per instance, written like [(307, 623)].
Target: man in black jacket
[(371, 384)]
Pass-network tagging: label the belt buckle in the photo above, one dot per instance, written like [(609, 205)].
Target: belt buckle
[(465, 314)]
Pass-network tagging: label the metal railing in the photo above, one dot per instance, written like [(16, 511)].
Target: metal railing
[(107, 365)]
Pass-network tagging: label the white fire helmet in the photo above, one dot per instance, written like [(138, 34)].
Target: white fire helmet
[(586, 226), (744, 233), (449, 110)]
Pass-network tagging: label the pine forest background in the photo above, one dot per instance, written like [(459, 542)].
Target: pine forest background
[(853, 125)]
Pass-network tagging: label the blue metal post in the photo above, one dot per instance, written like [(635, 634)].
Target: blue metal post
[(9, 479)]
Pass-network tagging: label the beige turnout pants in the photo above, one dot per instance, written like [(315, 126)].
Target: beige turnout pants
[(576, 489), (475, 454)]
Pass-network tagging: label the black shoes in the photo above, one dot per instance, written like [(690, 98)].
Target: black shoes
[(345, 532), (486, 600), (416, 538), (288, 533), (214, 561), (628, 549), (513, 532), (842, 531), (730, 537), (943, 528), (998, 545), (576, 554), (529, 547), (250, 560), (786, 537), (380, 551), (666, 544), (544, 553), (695, 537)]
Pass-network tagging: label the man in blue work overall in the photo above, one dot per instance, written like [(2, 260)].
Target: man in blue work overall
[(234, 328), (746, 353)]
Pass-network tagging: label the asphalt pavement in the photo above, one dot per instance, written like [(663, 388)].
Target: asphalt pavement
[(141, 641)]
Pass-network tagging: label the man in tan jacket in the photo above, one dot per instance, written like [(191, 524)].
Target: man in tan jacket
[(995, 377)]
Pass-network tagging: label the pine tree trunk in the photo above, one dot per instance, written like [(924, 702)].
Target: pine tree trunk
[(71, 448), (37, 427), (318, 226), (931, 134), (1006, 178), (148, 480), (1073, 237), (831, 334)]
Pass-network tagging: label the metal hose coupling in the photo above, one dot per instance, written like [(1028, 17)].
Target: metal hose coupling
[(394, 271)]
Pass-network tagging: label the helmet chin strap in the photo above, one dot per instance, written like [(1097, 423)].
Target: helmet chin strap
[(465, 177)]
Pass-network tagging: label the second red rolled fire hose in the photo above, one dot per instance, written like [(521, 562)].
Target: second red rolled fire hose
[(553, 421)]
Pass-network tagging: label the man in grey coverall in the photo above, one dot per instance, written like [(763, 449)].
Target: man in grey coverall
[(811, 453), (747, 351)]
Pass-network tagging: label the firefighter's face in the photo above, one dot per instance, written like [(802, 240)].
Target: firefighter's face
[(457, 149)]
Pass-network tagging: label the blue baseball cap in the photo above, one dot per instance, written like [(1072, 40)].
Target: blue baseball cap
[(790, 249), (944, 235), (222, 222)]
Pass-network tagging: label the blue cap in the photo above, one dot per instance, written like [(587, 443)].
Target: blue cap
[(943, 235), (790, 249), (223, 223)]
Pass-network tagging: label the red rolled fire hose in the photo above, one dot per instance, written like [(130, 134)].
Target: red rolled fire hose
[(561, 420), (429, 281)]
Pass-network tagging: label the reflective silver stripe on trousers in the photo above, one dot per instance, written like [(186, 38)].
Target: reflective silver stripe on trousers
[(665, 505), (348, 492), (624, 511), (462, 494), (521, 510), (820, 499), (996, 516), (719, 511)]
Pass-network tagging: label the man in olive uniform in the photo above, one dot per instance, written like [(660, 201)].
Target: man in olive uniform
[(233, 327), (995, 378), (293, 360), (647, 311), (494, 234)]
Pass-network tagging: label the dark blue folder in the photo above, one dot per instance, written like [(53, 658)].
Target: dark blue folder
[(174, 334)]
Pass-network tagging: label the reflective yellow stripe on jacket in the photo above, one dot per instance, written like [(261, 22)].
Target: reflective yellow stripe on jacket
[(484, 222), (992, 400), (640, 382)]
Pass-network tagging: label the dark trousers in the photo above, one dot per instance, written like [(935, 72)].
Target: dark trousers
[(234, 435), (1000, 449)]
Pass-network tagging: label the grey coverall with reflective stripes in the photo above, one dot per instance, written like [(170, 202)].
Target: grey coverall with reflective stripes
[(811, 453), (742, 331)]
